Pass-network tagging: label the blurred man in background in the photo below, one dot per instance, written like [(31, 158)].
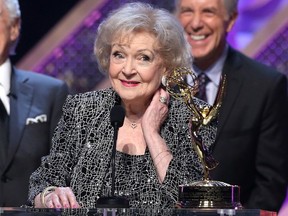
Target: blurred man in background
[(30, 107), (251, 143)]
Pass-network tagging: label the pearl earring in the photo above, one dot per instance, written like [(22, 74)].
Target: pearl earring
[(164, 80)]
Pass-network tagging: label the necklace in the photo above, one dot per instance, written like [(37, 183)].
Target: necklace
[(133, 125)]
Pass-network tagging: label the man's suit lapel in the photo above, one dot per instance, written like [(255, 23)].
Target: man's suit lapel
[(21, 95), (231, 69)]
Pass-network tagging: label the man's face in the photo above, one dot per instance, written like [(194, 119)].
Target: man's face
[(9, 32), (206, 23)]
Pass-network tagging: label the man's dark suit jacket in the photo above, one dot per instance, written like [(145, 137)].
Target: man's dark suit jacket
[(35, 107), (251, 143)]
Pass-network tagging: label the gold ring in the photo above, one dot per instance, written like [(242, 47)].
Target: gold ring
[(163, 99)]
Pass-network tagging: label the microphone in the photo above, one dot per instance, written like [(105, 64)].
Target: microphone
[(117, 115)]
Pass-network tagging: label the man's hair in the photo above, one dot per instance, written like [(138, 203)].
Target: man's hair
[(14, 12), (230, 5), (13, 8)]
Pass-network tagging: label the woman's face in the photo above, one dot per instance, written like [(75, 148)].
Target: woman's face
[(135, 68)]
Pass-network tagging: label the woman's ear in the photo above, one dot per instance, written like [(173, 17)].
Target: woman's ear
[(164, 80), (164, 77)]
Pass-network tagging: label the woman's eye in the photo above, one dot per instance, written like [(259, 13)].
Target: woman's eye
[(117, 55), (144, 58)]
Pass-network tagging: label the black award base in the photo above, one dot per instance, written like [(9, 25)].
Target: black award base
[(208, 194)]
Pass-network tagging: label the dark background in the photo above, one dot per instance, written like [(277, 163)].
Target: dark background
[(38, 18)]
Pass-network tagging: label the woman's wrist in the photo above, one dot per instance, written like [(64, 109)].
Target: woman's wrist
[(40, 199)]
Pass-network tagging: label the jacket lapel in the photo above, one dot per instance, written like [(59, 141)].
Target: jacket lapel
[(21, 95), (231, 69)]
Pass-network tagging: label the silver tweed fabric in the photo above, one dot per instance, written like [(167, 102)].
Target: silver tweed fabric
[(81, 153)]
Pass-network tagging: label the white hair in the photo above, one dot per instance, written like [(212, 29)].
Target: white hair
[(134, 17), (13, 8), (14, 12)]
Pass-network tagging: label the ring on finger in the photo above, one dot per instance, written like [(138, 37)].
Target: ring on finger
[(163, 99)]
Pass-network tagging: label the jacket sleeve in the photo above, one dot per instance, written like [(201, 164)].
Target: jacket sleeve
[(56, 168), (271, 159)]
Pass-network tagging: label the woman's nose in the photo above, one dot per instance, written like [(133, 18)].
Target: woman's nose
[(129, 67)]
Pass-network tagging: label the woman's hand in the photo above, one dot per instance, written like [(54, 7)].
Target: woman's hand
[(156, 112), (152, 120), (61, 197)]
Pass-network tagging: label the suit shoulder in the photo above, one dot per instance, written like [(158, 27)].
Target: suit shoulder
[(38, 78), (256, 68)]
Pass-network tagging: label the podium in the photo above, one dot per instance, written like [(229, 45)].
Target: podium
[(6, 211)]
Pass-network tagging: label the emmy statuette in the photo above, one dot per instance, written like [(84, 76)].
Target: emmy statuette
[(205, 193)]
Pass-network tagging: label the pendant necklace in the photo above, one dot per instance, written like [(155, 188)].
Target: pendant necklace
[(133, 125)]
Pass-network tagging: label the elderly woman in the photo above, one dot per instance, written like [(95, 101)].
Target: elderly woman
[(136, 45)]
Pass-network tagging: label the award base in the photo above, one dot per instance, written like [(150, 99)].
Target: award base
[(208, 194)]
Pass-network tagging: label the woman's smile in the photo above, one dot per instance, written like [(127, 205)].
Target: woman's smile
[(129, 83)]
